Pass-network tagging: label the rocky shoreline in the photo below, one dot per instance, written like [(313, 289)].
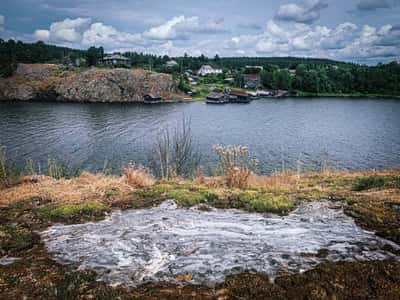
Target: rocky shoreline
[(48, 82)]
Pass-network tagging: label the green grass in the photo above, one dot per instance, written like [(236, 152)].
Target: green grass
[(70, 212), (258, 201), (376, 182), (189, 195)]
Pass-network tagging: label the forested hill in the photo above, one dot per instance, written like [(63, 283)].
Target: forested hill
[(281, 62), (304, 75)]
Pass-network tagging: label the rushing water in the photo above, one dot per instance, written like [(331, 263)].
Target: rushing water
[(160, 243), (345, 133)]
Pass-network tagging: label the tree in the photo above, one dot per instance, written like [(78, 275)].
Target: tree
[(282, 80), (94, 56)]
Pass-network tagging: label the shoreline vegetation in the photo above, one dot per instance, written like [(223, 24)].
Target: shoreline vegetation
[(30, 203), (45, 72)]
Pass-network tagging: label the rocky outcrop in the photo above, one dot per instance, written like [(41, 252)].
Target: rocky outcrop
[(49, 82)]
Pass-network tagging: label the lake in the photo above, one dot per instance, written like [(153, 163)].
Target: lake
[(305, 133)]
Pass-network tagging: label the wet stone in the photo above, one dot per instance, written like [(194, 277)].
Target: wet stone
[(164, 243)]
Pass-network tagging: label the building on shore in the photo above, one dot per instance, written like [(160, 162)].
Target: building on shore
[(251, 81), (207, 69), (116, 59), (229, 80), (171, 63)]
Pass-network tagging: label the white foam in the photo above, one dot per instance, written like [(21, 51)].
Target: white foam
[(159, 243)]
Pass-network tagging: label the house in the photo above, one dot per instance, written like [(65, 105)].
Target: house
[(171, 63), (207, 69), (251, 81), (229, 80), (115, 59)]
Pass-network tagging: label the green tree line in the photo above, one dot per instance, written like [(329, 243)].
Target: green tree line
[(310, 75)]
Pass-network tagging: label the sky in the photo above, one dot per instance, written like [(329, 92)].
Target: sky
[(362, 31)]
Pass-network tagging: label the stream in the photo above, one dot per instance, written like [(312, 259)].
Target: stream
[(158, 244)]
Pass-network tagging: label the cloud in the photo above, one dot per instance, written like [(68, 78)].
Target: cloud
[(2, 20), (371, 5), (306, 12), (42, 35), (345, 41), (69, 30), (182, 27), (104, 35), (372, 43)]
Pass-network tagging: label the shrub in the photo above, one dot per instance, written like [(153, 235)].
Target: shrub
[(59, 170), (7, 170), (138, 176), (175, 153), (372, 182), (236, 164)]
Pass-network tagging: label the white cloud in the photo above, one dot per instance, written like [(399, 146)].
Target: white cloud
[(69, 30), (42, 35), (104, 35), (181, 27), (374, 42), (345, 41), (306, 12)]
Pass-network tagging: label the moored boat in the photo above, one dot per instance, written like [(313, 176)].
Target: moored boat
[(262, 93), (152, 98), (252, 95), (216, 98), (236, 96)]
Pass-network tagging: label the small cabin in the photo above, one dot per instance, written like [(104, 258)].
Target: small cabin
[(236, 96), (152, 98), (115, 60), (216, 98)]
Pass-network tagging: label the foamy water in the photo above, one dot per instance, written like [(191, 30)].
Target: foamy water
[(157, 244)]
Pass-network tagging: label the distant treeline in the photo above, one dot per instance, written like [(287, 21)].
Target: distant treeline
[(309, 75), (383, 79)]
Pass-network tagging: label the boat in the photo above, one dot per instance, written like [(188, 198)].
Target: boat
[(216, 98), (152, 98), (262, 93), (236, 96), (253, 95)]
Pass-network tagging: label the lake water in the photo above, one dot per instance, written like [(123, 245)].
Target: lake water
[(281, 133)]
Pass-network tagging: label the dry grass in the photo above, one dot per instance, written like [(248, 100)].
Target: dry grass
[(87, 187), (138, 176), (236, 164)]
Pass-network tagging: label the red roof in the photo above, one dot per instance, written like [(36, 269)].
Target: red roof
[(237, 93)]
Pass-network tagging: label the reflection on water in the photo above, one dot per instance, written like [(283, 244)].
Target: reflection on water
[(160, 243), (347, 133)]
